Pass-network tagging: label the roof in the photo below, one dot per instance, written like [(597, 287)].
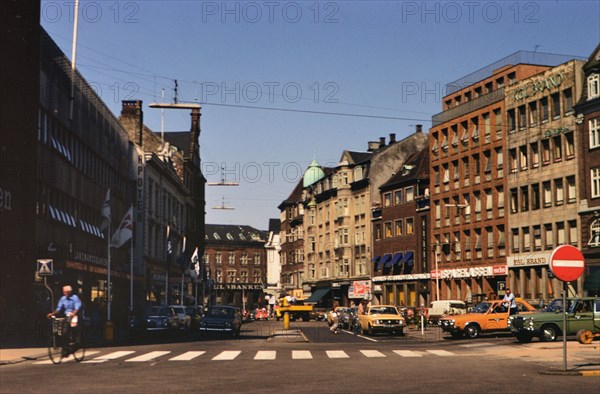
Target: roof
[(359, 157), (294, 197), (232, 233), (274, 225), (313, 174), (180, 139), (415, 167)]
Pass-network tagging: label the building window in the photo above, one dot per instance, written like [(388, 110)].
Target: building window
[(409, 193), (218, 258), (537, 238), (544, 109), (523, 157), (512, 154), (387, 226), (244, 258), (410, 229), (257, 276), (244, 276), (514, 200), (535, 196), (595, 234), (559, 192), (231, 274), (535, 154), (555, 105), (533, 114), (547, 194), (515, 240), (548, 242), (594, 132), (595, 181), (524, 198), (398, 197), (398, 227), (569, 146), (500, 194), (377, 231), (573, 237), (557, 142), (387, 200), (522, 117), (512, 120), (231, 260), (568, 97), (490, 241), (593, 86), (560, 233), (526, 247), (546, 151), (571, 190), (257, 259)]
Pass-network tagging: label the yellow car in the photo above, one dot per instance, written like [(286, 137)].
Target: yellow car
[(381, 318)]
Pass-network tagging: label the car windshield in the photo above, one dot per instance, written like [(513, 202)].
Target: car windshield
[(481, 308), (179, 310), (155, 311), (219, 312), (384, 311)]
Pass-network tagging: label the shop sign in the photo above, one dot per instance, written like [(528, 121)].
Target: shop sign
[(538, 86), (91, 259), (377, 288), (238, 286), (159, 277), (499, 270), (527, 260), (359, 289), (392, 278)]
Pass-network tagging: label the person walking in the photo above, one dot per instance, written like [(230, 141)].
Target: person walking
[(336, 319)]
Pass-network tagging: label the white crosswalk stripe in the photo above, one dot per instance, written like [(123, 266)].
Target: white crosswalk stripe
[(265, 355), (408, 353), (187, 356), (148, 356), (337, 354), (301, 355), (227, 355), (259, 355), (443, 353), (372, 353)]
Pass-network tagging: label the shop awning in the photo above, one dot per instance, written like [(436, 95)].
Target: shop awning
[(317, 296), (397, 259), (377, 265), (409, 258), (387, 260)]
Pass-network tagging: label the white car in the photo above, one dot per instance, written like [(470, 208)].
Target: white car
[(184, 321)]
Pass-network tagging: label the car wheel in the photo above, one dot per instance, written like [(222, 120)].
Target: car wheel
[(549, 333), (524, 337), (371, 332), (456, 335), (472, 331), (585, 336)]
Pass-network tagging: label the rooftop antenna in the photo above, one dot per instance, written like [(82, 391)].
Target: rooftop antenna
[(162, 119), (223, 182), (535, 47), (223, 206), (175, 91)]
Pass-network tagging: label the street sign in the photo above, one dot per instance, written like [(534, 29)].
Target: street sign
[(567, 263), (501, 287), (44, 267)]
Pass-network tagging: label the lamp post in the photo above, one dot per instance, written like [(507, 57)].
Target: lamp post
[(437, 273)]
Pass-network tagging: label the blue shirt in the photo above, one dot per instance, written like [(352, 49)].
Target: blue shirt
[(69, 304)]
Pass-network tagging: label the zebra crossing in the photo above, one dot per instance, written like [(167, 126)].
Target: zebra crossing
[(132, 356)]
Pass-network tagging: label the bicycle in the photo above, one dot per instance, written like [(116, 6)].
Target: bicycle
[(65, 341)]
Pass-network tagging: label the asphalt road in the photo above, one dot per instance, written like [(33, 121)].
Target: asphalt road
[(257, 363)]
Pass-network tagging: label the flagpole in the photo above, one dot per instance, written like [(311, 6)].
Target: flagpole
[(108, 275), (181, 298), (167, 273)]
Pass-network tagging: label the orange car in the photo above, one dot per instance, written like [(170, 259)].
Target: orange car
[(488, 316)]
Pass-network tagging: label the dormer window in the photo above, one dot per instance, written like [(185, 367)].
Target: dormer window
[(242, 237), (593, 86), (229, 236), (216, 236)]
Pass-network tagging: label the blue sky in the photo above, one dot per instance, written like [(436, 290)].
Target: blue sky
[(385, 62)]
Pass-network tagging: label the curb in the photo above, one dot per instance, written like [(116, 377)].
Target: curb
[(595, 372), (22, 359)]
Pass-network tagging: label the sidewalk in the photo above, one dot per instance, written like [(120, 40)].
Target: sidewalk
[(17, 355)]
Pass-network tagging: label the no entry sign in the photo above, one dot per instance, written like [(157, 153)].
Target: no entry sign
[(567, 263)]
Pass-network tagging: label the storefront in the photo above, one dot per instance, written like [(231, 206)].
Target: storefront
[(470, 284), (402, 290)]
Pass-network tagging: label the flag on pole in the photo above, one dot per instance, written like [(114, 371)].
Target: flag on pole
[(105, 212), (169, 247), (182, 259), (125, 230), (194, 268)]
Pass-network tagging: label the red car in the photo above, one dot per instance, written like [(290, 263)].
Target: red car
[(261, 314)]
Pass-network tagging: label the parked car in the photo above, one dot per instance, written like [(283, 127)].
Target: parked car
[(318, 314), (581, 314), (488, 316), (444, 308), (221, 318), (382, 318), (261, 314), (184, 321)]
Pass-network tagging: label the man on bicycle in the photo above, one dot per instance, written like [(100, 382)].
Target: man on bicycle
[(69, 304)]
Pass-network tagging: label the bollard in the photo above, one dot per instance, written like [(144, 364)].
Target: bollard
[(286, 321), (109, 331)]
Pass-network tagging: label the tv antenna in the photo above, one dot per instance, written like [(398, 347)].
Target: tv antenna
[(223, 206), (223, 182)]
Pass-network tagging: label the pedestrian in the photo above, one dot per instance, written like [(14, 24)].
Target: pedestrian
[(361, 307), (335, 319), (510, 298)]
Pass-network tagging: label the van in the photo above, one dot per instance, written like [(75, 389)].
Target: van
[(439, 309)]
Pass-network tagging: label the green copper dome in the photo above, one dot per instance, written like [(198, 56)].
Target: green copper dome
[(313, 174)]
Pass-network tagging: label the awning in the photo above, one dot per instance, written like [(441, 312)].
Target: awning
[(387, 260), (396, 259), (408, 258), (377, 265), (317, 296)]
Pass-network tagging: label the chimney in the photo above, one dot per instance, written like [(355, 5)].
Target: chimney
[(392, 138), (419, 128), (381, 142), (373, 145), (132, 119)]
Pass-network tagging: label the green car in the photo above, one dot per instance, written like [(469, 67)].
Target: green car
[(582, 314)]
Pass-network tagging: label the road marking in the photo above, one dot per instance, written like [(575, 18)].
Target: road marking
[(227, 355), (301, 355), (265, 355), (337, 354), (370, 339), (148, 356), (187, 356), (408, 353), (110, 356), (478, 344), (443, 353), (372, 353), (69, 359)]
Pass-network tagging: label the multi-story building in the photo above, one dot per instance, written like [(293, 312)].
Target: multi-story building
[(588, 135), (236, 259), (273, 247), (338, 214), (400, 245), (468, 180), (541, 177)]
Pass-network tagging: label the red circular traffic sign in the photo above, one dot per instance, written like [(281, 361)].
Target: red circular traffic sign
[(567, 263)]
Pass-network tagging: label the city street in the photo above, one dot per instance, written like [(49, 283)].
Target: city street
[(336, 363)]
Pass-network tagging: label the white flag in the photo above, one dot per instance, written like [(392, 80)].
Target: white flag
[(195, 266), (105, 212), (124, 231)]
